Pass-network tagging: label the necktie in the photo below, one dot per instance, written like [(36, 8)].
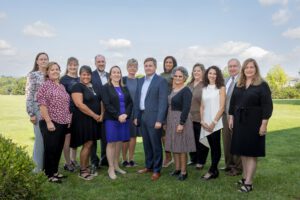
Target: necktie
[(231, 86)]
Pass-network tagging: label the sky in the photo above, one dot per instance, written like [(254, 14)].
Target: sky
[(207, 31)]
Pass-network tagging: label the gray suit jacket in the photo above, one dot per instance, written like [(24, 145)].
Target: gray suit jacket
[(229, 93), (156, 101)]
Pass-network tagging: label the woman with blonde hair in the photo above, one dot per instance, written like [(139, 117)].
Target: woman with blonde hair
[(249, 112)]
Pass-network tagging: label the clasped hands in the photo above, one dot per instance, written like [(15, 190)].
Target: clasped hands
[(208, 127)]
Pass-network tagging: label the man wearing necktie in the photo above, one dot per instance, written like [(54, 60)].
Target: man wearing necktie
[(233, 165), (99, 78), (150, 109)]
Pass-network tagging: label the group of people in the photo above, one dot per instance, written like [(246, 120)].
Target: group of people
[(169, 110)]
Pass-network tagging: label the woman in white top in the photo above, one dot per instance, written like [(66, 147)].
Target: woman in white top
[(211, 110)]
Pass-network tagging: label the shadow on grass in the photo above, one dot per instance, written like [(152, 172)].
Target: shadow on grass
[(287, 101)]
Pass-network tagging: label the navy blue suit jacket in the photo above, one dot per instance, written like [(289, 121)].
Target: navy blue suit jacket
[(156, 101), (96, 81)]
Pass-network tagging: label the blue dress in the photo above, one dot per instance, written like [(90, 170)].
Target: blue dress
[(116, 131)]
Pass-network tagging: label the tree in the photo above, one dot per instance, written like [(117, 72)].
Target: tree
[(277, 78)]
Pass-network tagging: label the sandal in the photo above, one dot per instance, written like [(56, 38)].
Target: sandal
[(241, 182), (246, 188), (59, 176), (85, 174), (69, 167), (54, 179)]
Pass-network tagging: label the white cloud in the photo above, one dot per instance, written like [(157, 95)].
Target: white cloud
[(219, 54), (281, 17), (272, 2), (116, 44), (39, 29), (2, 15), (6, 49), (292, 33)]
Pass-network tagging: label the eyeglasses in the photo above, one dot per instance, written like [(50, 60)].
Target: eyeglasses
[(175, 76)]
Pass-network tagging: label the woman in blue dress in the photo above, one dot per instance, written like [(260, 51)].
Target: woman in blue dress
[(118, 107)]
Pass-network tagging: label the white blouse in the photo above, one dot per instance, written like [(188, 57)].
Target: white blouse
[(211, 103)]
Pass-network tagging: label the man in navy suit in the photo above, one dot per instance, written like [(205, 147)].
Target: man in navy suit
[(99, 78), (151, 102)]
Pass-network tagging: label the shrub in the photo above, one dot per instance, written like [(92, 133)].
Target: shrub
[(17, 181)]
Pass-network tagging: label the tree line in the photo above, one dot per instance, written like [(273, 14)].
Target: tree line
[(277, 79)]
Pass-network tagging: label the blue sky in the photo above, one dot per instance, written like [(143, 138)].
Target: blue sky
[(209, 32)]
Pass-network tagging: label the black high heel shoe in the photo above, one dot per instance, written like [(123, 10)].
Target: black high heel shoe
[(175, 173), (182, 177)]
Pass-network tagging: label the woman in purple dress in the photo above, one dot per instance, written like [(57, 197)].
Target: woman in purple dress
[(118, 107)]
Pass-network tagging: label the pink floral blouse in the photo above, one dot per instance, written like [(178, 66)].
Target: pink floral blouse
[(57, 101)]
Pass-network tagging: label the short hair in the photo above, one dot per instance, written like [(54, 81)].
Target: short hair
[(109, 79), (99, 55), (49, 65), (151, 59), (236, 60), (35, 65), (85, 68), (219, 79), (132, 61), (257, 77), (70, 60), (173, 60), (183, 70), (202, 69)]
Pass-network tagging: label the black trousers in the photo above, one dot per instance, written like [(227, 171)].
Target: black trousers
[(200, 156), (214, 141), (53, 144), (94, 158)]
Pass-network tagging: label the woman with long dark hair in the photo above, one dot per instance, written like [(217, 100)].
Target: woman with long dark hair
[(35, 78), (211, 111)]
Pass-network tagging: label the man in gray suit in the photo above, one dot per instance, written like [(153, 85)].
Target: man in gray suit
[(151, 102), (232, 163)]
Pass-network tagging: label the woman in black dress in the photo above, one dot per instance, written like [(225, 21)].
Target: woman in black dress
[(68, 80), (250, 109), (86, 115)]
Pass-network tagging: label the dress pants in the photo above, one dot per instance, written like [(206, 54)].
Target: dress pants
[(53, 144), (231, 161), (198, 157), (152, 146), (38, 147), (215, 150)]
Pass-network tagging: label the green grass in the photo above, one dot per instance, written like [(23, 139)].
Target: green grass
[(277, 177)]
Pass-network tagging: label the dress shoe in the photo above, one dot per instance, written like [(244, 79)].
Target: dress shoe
[(182, 177), (175, 173), (226, 169), (233, 172), (143, 171), (155, 176)]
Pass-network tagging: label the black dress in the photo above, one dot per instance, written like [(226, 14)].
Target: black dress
[(85, 128), (249, 107)]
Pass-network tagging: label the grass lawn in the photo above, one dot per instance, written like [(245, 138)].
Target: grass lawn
[(277, 177)]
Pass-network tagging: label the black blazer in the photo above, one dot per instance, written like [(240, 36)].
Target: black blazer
[(111, 102), (182, 102)]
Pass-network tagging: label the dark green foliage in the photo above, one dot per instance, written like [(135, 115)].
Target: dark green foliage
[(17, 181), (11, 85)]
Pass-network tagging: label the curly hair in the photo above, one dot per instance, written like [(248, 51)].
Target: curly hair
[(174, 63), (219, 78)]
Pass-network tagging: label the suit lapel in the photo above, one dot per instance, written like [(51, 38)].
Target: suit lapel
[(151, 84)]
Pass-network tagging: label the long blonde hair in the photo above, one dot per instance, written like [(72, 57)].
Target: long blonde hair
[(257, 80)]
